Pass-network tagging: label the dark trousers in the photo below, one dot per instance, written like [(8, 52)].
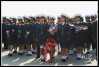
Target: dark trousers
[(96, 52), (96, 48), (94, 44), (5, 44), (25, 47), (38, 50)]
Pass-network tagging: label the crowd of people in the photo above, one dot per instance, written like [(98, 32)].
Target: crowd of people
[(29, 33)]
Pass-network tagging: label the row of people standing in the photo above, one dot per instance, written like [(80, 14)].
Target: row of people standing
[(80, 37), (68, 34)]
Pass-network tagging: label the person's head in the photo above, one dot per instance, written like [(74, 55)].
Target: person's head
[(8, 21), (20, 21), (63, 18), (67, 18), (51, 19), (13, 20), (42, 19), (70, 20), (73, 20), (27, 20), (32, 19), (93, 17), (24, 18), (87, 18), (77, 18), (4, 19), (37, 19), (81, 19), (58, 19)]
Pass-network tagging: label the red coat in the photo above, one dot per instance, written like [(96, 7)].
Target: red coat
[(49, 47), (51, 41)]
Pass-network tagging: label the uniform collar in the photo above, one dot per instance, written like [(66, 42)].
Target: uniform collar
[(27, 23), (8, 24), (67, 22), (78, 22), (39, 22), (42, 23), (13, 23), (32, 22), (20, 24), (87, 22), (52, 24), (62, 23), (71, 24)]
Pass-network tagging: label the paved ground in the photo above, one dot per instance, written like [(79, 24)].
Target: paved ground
[(25, 60)]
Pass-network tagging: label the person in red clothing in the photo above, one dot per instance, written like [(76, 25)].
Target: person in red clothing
[(48, 47)]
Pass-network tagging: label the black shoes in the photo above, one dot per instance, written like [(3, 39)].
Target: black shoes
[(87, 52), (15, 52), (78, 58), (59, 52), (96, 58), (29, 54), (37, 57), (9, 54), (70, 54), (42, 60), (67, 57), (75, 52), (53, 57), (63, 60), (20, 54), (33, 52)]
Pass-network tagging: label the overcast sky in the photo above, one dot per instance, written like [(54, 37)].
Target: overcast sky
[(52, 8)]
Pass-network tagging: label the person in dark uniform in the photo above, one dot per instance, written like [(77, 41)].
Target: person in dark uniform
[(58, 19), (63, 35), (32, 21), (24, 22), (9, 36), (67, 22), (73, 21), (28, 34), (94, 34), (72, 36), (41, 33), (94, 22), (14, 28), (4, 33), (19, 35), (51, 32), (85, 31), (58, 44), (80, 37), (52, 23), (37, 20), (88, 33)]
